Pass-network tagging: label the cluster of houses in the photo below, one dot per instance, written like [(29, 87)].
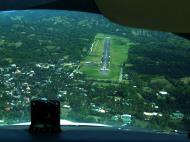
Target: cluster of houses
[(19, 94)]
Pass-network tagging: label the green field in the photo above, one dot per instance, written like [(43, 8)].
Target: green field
[(118, 52)]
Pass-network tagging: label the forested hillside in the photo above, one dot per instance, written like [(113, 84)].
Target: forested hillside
[(42, 54)]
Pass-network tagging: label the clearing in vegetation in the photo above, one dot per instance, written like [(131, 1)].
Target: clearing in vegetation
[(118, 54)]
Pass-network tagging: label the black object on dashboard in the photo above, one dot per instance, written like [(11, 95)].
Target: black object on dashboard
[(45, 116)]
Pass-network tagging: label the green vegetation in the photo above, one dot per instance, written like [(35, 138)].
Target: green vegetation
[(47, 54), (118, 54)]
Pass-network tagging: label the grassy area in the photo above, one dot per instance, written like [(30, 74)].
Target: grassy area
[(118, 52)]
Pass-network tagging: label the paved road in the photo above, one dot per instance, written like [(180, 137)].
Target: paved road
[(106, 55), (121, 74)]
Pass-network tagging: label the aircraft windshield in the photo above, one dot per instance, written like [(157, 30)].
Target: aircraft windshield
[(101, 72)]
